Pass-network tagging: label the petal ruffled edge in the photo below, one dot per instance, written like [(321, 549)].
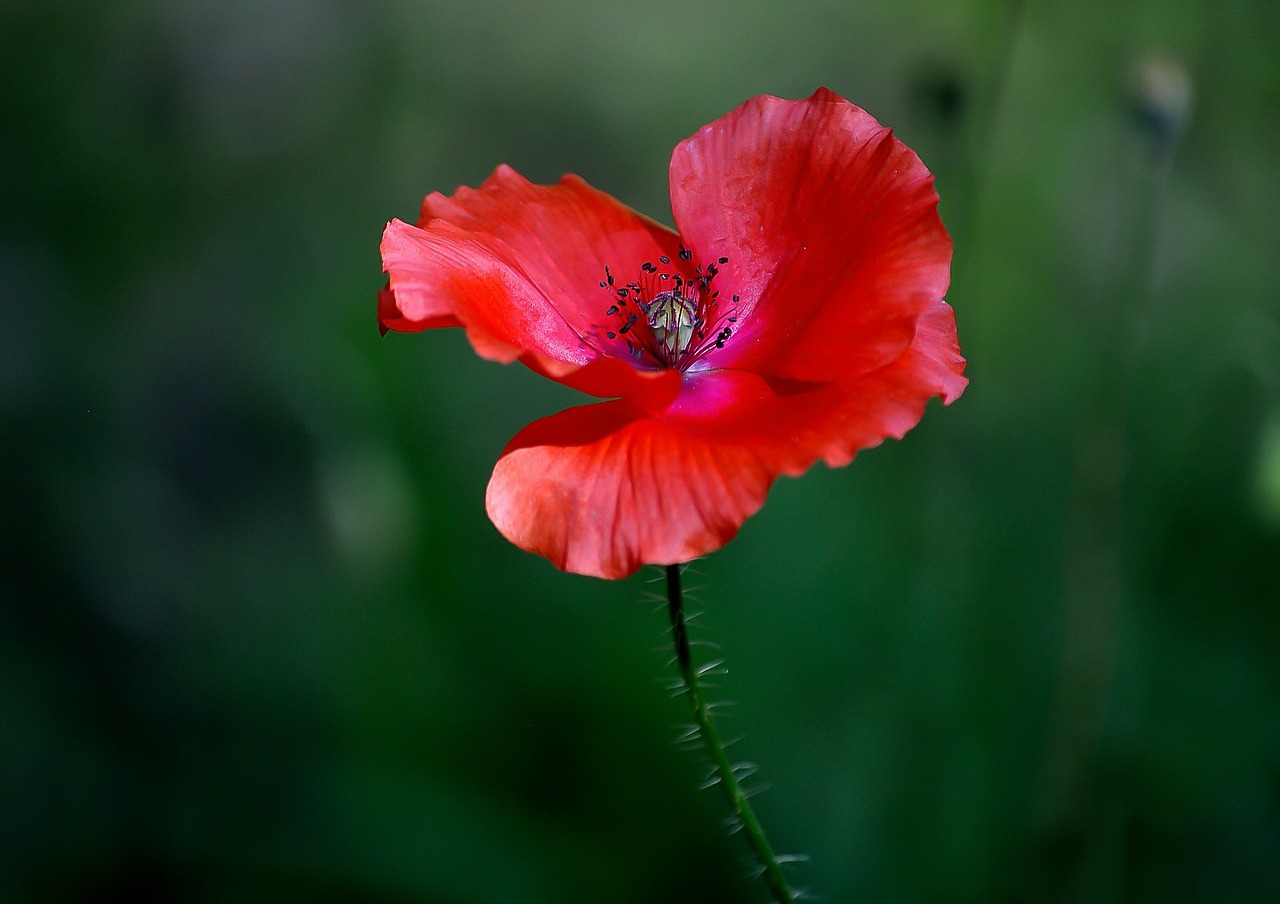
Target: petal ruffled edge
[(441, 276), (792, 425), (557, 239), (518, 267), (602, 490)]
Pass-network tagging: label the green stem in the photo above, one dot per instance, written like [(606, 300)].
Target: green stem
[(715, 749)]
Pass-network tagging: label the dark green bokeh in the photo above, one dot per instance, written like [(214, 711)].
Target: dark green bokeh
[(259, 642)]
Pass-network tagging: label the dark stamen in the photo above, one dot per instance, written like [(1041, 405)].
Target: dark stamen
[(672, 316)]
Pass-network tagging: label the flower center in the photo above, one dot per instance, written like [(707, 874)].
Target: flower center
[(668, 317), (673, 317)]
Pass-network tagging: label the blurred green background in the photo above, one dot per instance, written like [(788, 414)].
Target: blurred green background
[(259, 642)]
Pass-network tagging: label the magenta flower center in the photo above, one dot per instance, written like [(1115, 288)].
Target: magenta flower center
[(666, 317)]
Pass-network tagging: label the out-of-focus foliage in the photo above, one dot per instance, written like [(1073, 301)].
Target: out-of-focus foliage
[(258, 641)]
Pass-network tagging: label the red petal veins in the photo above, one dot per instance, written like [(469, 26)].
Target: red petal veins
[(792, 424), (519, 267), (559, 237), (603, 489), (391, 318), (442, 276), (831, 228)]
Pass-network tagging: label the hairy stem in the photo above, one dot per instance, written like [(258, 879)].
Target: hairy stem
[(772, 870)]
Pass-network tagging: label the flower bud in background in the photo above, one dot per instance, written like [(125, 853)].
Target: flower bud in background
[(1161, 98)]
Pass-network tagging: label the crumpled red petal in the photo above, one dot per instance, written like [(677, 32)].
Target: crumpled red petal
[(518, 266), (603, 489), (443, 275), (831, 228), (556, 238)]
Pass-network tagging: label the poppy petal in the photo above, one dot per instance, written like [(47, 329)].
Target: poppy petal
[(559, 237), (831, 228), (602, 489), (792, 424), (443, 276)]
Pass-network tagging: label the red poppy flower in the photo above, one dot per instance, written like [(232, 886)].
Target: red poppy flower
[(796, 316)]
